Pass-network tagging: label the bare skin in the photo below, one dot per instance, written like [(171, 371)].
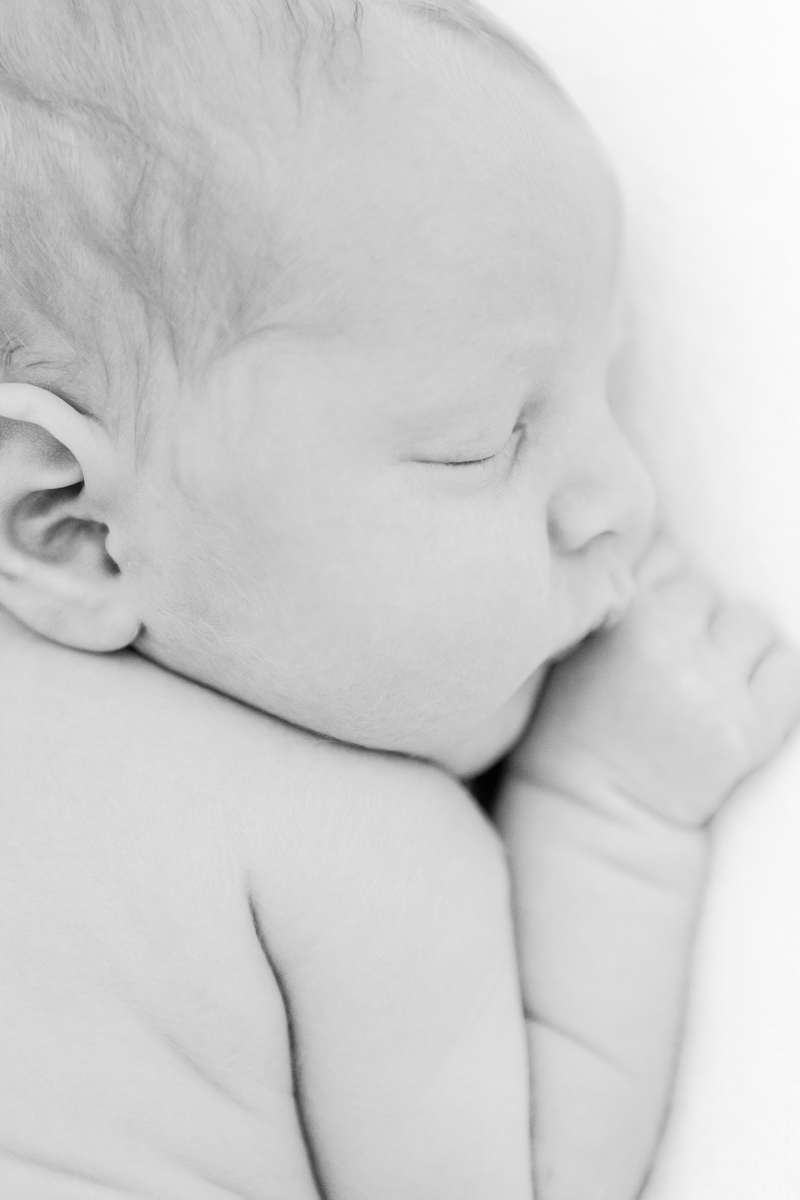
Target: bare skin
[(378, 521), (640, 738), (247, 942), (150, 1050)]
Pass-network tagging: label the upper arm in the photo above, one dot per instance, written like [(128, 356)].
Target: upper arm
[(395, 949)]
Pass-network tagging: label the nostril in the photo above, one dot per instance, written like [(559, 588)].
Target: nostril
[(608, 493), (582, 515), (579, 517)]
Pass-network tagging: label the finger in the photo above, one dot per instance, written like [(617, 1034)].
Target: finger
[(688, 600), (666, 575), (661, 561), (775, 688), (744, 634)]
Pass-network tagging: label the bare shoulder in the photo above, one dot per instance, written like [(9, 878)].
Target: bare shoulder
[(307, 829), (73, 722), (161, 841)]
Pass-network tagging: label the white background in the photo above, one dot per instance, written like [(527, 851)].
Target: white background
[(698, 105)]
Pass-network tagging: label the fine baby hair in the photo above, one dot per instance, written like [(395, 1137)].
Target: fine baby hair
[(143, 191)]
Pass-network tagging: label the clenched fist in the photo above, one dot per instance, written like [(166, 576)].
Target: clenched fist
[(674, 706)]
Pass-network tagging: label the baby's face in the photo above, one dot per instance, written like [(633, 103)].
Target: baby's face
[(380, 519)]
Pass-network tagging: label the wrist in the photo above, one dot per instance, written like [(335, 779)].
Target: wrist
[(590, 813), (602, 781)]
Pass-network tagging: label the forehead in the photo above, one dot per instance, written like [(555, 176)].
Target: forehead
[(441, 202)]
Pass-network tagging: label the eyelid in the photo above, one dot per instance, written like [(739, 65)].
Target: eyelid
[(508, 449)]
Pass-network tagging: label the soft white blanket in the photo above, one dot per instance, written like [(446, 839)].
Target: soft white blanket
[(698, 104)]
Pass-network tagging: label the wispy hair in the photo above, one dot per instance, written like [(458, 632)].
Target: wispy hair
[(134, 207)]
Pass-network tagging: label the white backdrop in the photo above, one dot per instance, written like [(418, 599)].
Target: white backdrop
[(698, 105)]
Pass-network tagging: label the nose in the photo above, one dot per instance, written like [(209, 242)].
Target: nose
[(606, 492)]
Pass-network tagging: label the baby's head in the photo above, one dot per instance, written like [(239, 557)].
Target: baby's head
[(319, 303)]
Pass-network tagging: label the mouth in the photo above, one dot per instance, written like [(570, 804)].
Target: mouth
[(611, 616), (573, 646)]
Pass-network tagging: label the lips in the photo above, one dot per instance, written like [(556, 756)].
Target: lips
[(612, 618), (624, 592), (572, 647)]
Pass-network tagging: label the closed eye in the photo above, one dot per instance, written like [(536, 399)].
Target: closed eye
[(505, 454)]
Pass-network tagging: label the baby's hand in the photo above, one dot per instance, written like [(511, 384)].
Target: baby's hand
[(674, 706)]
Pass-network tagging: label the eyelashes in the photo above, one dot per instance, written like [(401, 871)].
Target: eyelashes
[(491, 462)]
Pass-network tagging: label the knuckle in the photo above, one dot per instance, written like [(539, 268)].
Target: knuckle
[(737, 735), (791, 657), (688, 596), (660, 560), (745, 620), (696, 593), (751, 734), (779, 670)]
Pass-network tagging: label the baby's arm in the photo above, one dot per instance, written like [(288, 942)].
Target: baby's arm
[(396, 952), (640, 737)]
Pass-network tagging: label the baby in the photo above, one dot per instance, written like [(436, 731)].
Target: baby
[(308, 310)]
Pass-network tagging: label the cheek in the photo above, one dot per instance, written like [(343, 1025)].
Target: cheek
[(430, 614), (365, 608)]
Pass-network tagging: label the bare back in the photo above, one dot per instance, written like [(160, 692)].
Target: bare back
[(238, 960)]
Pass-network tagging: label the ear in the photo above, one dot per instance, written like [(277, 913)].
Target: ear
[(62, 481)]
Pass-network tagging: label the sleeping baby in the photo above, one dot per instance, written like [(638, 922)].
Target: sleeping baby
[(308, 310)]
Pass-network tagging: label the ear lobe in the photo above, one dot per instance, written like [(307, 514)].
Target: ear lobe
[(56, 574)]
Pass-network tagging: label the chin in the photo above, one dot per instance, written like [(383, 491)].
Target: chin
[(496, 736)]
